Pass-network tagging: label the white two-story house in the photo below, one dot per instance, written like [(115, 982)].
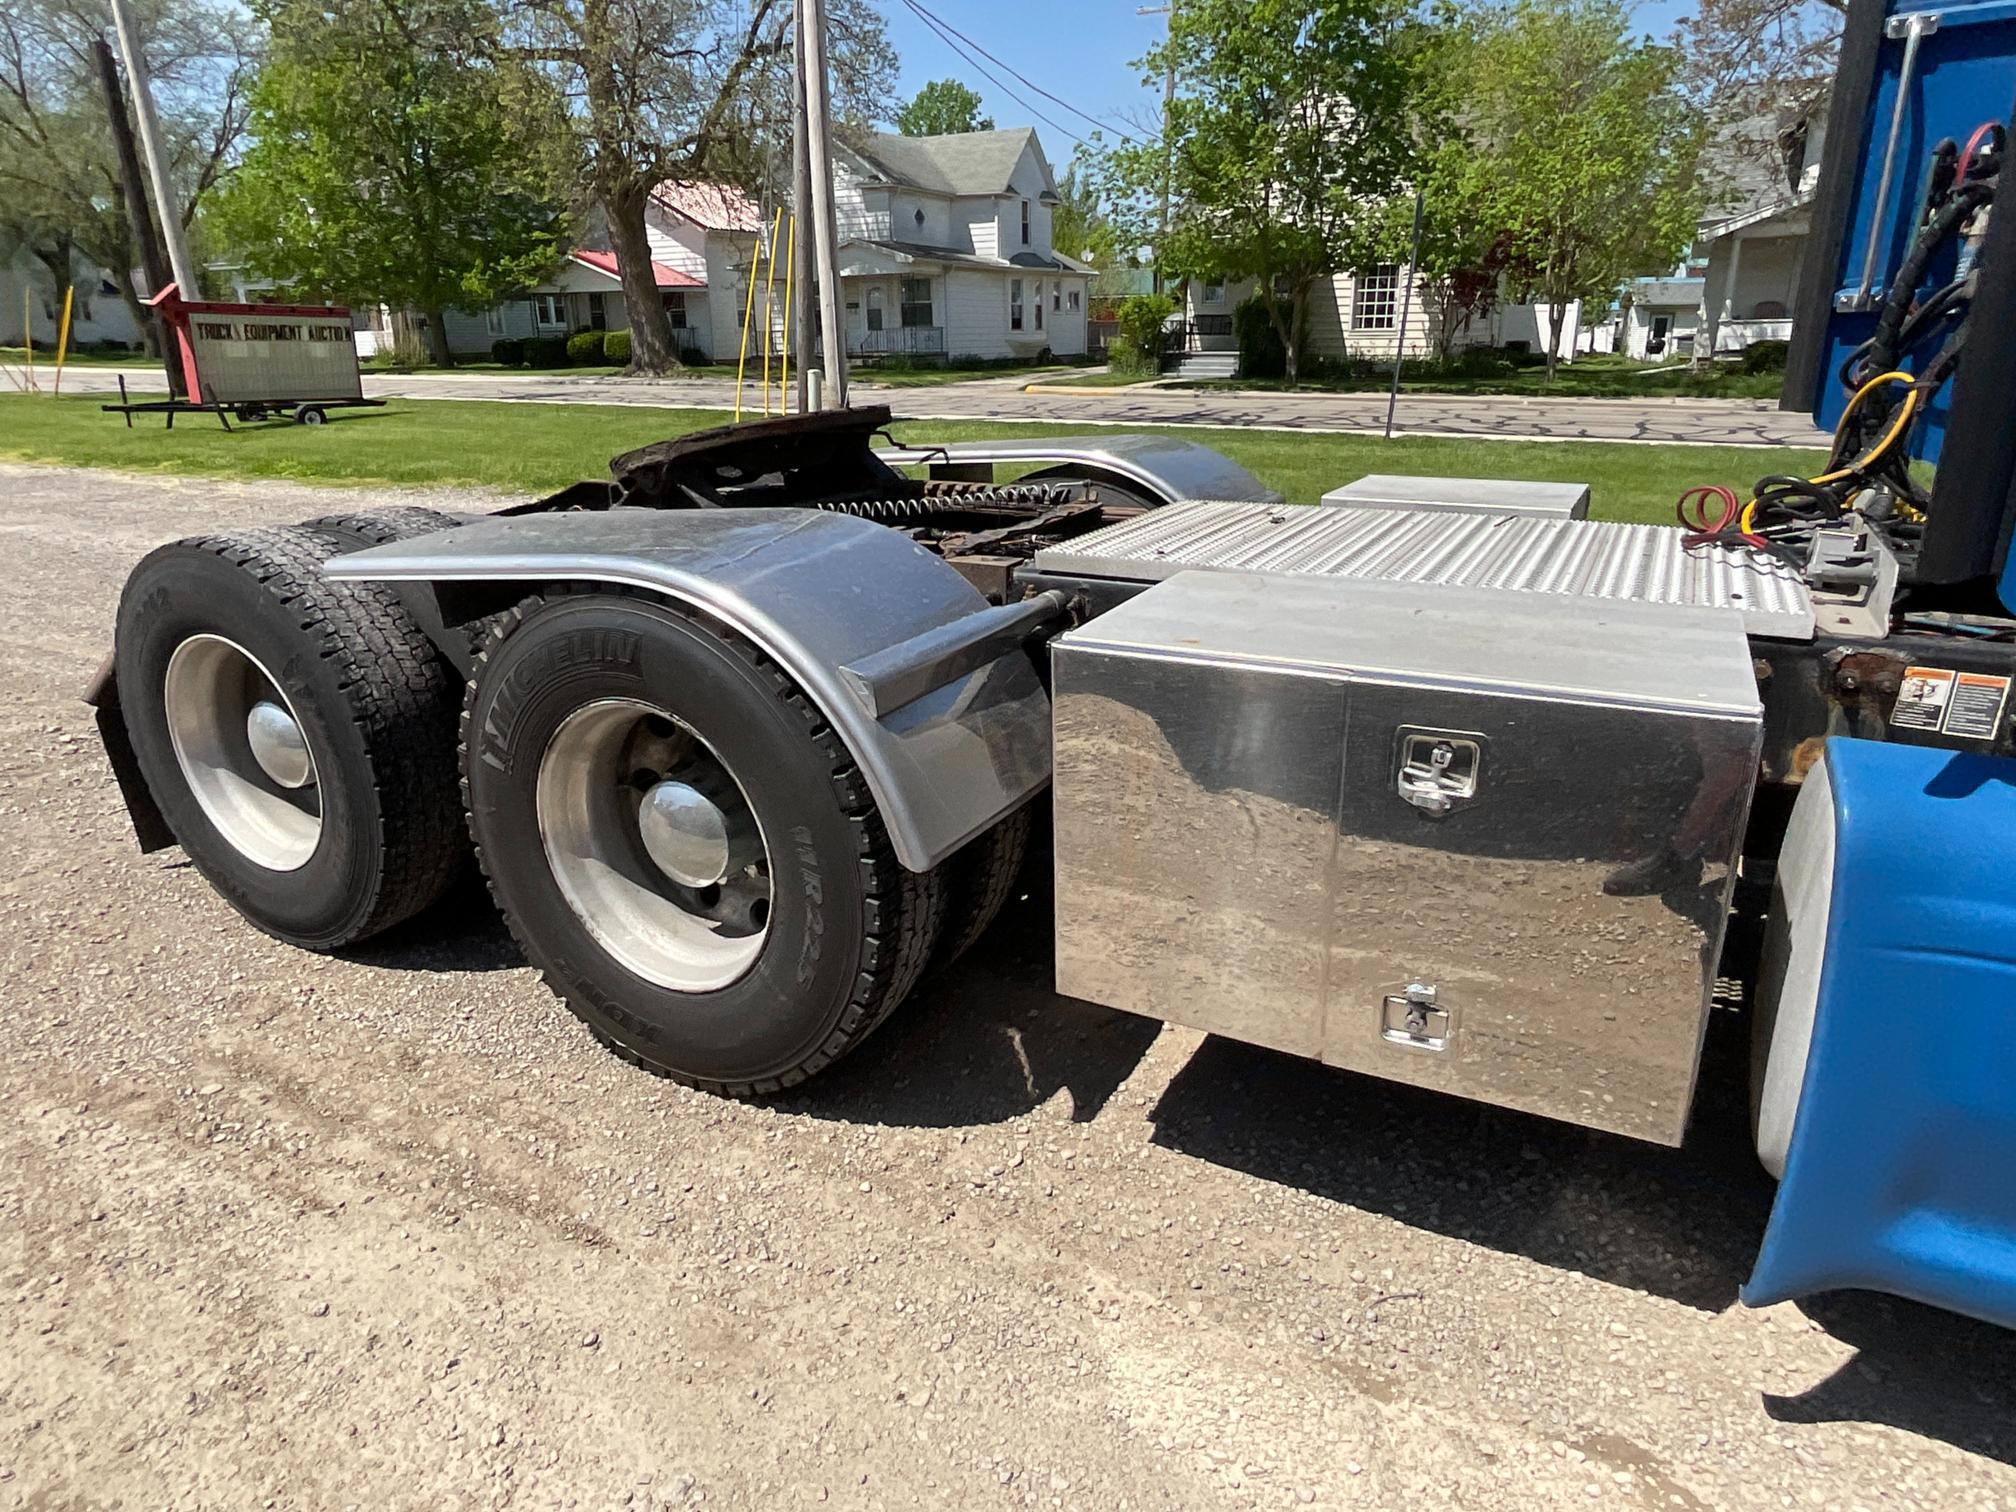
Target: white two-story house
[(944, 253), (945, 249)]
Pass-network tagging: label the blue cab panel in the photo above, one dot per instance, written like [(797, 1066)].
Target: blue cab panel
[(1900, 1173), (1962, 73)]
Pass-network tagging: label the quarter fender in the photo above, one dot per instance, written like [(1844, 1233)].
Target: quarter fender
[(816, 592)]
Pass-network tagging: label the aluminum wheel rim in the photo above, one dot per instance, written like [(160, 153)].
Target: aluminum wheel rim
[(604, 766), (213, 695)]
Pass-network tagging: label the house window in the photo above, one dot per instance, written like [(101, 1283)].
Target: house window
[(1375, 299), (917, 302), (1214, 292), (598, 312), (549, 310), (875, 309), (1074, 301), (675, 309), (1039, 304), (1056, 296), (1014, 304), (493, 320), (1025, 223)]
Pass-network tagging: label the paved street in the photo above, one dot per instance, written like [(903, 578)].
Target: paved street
[(1721, 422)]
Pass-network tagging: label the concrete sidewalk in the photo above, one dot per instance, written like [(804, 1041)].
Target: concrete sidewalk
[(1706, 422)]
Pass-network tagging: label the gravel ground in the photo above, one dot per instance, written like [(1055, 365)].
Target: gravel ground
[(388, 1230)]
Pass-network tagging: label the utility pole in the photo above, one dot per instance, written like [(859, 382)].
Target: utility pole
[(825, 236), (803, 242), (134, 189), (158, 165), (1168, 142)]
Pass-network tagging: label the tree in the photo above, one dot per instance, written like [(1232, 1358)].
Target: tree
[(61, 195), (940, 108), (1585, 149), (1293, 123), (398, 156), (1737, 54), (687, 90), (1078, 223)]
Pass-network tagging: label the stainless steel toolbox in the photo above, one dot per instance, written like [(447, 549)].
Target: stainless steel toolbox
[(1459, 837), (1488, 496)]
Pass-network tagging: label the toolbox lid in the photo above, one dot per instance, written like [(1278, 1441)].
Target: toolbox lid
[(1674, 657)]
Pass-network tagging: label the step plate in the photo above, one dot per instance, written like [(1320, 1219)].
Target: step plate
[(1570, 558)]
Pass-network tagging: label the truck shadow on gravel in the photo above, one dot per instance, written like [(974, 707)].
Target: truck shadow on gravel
[(1925, 1371), (988, 1039)]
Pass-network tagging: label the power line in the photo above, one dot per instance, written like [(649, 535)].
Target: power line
[(944, 36), (945, 26)]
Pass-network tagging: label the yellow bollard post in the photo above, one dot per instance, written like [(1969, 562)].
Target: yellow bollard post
[(769, 307), (790, 298), (748, 310), (63, 336)]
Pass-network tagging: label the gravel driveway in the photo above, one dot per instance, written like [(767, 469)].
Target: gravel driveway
[(388, 1230)]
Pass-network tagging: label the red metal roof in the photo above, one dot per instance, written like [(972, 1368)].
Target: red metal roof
[(668, 278)]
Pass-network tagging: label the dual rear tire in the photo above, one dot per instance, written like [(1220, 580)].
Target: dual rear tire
[(677, 840)]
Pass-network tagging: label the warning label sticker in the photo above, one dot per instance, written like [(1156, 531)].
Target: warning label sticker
[(1967, 705), (1976, 710), (1923, 700)]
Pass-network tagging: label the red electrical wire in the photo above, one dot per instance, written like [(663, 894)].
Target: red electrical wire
[(1967, 152), (1696, 520)]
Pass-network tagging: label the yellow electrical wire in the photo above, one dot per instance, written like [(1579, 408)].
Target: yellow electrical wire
[(1897, 428)]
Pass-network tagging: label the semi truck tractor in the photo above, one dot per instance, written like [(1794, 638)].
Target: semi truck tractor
[(1437, 780)]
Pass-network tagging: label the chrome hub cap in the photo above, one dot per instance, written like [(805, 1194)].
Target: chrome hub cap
[(684, 833), (242, 752), (278, 745), (654, 845)]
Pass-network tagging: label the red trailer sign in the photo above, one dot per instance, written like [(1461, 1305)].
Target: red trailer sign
[(254, 359)]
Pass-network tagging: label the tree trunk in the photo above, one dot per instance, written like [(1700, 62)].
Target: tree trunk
[(1557, 317), (651, 349), (438, 350), (1292, 341)]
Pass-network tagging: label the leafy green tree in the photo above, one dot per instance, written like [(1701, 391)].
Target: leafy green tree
[(398, 156), (687, 90), (1078, 223), (1583, 152), (940, 108), (61, 196), (1293, 123)]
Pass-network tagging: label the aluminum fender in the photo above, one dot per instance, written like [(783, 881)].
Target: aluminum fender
[(1169, 466), (816, 591), (1889, 989)]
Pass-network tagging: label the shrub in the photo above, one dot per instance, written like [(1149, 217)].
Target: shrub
[(1261, 354), (1137, 346), (508, 351), (616, 347), (694, 356), (585, 348), (1766, 356), (546, 351)]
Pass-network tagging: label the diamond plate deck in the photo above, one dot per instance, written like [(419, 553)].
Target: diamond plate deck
[(1570, 558)]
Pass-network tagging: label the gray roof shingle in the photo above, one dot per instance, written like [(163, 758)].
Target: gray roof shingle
[(968, 162)]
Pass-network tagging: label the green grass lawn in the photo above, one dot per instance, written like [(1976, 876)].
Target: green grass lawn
[(1599, 377), (532, 448), (15, 358)]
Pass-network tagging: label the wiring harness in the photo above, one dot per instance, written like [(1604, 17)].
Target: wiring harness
[(1868, 469)]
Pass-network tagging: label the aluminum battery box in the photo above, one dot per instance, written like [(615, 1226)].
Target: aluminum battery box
[(1451, 836)]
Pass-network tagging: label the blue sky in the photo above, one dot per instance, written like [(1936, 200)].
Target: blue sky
[(1080, 50)]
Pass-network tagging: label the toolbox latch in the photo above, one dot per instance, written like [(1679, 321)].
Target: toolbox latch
[(1413, 1018), (1438, 769)]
